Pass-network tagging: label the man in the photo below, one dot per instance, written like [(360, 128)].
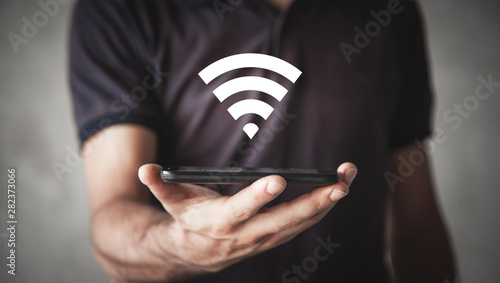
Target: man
[(363, 97)]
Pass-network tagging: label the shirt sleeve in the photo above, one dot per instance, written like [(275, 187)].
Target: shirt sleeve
[(412, 115), (111, 76)]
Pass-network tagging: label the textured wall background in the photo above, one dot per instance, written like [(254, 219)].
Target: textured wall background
[(37, 130)]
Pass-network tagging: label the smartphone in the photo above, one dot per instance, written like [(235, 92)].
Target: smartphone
[(240, 175)]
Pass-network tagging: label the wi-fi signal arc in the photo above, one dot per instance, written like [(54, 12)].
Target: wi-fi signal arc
[(250, 106), (250, 60), (250, 83)]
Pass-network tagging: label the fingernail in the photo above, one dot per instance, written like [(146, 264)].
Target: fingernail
[(337, 194), (274, 188), (350, 175)]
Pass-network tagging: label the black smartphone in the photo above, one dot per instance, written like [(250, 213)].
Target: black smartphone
[(240, 175)]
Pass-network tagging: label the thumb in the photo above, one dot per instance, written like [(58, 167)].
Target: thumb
[(166, 193), (170, 193), (149, 174)]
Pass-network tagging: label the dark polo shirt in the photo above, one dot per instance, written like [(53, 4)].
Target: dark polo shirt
[(363, 91)]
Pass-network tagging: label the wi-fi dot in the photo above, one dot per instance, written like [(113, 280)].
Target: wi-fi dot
[(255, 83)]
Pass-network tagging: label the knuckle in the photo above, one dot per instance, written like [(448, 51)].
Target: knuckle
[(220, 231), (289, 222), (241, 213), (320, 199), (315, 218), (248, 240), (317, 206)]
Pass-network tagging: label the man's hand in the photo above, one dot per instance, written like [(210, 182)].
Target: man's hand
[(201, 231), (211, 232)]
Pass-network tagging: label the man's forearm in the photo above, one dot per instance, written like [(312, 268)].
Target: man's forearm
[(128, 240), (420, 246), (423, 257)]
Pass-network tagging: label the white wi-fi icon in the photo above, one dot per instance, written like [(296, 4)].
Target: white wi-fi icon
[(250, 106)]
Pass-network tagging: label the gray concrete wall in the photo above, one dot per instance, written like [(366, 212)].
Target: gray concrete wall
[(37, 130)]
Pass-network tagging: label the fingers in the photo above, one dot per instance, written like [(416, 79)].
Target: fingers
[(291, 214), (304, 211), (250, 200), (347, 172)]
